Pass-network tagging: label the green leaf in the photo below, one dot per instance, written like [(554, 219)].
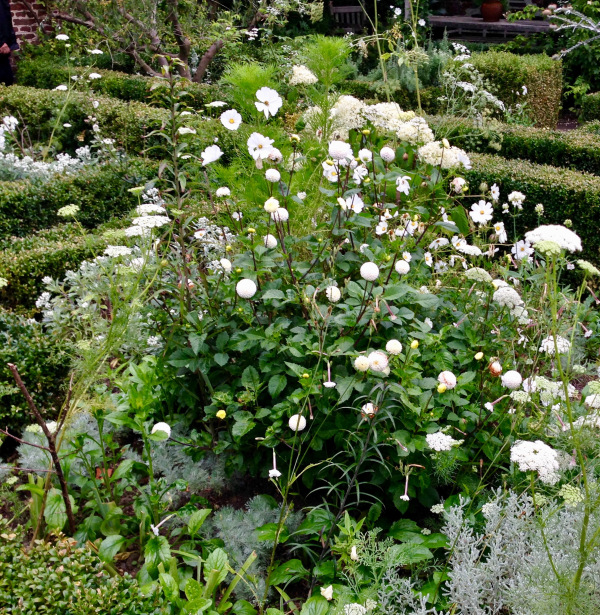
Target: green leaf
[(459, 217), (277, 384), (221, 358), (123, 469), (197, 606), (395, 292), (250, 379), (216, 561), (408, 553), (242, 427), (193, 589), (170, 587), (243, 607), (157, 551), (273, 294), (292, 569), (110, 546), (55, 513), (269, 532), (315, 605), (196, 520)]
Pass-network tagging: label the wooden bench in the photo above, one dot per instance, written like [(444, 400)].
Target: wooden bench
[(348, 18)]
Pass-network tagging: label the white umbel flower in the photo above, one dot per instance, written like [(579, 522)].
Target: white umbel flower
[(369, 271), (511, 379), (564, 237), (507, 296), (394, 347), (297, 422), (538, 457), (333, 293), (547, 345), (246, 288), (440, 441), (231, 119), (402, 267), (301, 75), (270, 241), (164, 427), (447, 378)]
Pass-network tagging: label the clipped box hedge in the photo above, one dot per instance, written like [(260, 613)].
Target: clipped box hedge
[(542, 76), (99, 192), (574, 149), (44, 73), (590, 107), (565, 194)]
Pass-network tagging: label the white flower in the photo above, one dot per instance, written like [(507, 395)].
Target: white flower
[(403, 184), (259, 146), (237, 215), (333, 293), (428, 259), (162, 427), (481, 212), (387, 154), (440, 441), (116, 251), (507, 296), (223, 191), (226, 265), (231, 119), (340, 150), (246, 288), (560, 235), (301, 195), (355, 203), (154, 340), (361, 363), (271, 205), (365, 155), (421, 22), (394, 347), (148, 222), (186, 130), (62, 37), (495, 192), (301, 75), (297, 422), (67, 125), (269, 101), (458, 183), (438, 243), (95, 76), (405, 497), (378, 361), (368, 409), (270, 241), (217, 103), (447, 378), (547, 345), (327, 592), (354, 554), (516, 198), (500, 232), (211, 154), (61, 88), (522, 249), (272, 175), (402, 267), (274, 473), (536, 456), (369, 271), (281, 214), (95, 52), (511, 379)]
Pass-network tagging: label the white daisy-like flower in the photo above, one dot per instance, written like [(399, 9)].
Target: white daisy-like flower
[(217, 103), (368, 409), (428, 259), (369, 271), (246, 288), (259, 146), (403, 184), (333, 293), (365, 155), (438, 243), (495, 192), (522, 249), (211, 154), (394, 347), (231, 119), (500, 232), (269, 101), (481, 212)]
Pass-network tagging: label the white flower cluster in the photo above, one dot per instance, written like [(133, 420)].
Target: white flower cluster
[(440, 441), (564, 237), (387, 115), (437, 154), (507, 296), (547, 345), (415, 132), (301, 75), (346, 115), (538, 457)]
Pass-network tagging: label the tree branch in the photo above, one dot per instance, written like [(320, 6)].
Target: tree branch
[(206, 59)]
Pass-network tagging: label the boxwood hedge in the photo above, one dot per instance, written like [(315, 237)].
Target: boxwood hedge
[(590, 107)]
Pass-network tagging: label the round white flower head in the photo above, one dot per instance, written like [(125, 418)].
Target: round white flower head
[(340, 150), (61, 88), (271, 205), (387, 154), (333, 293), (269, 101), (507, 296), (301, 75), (560, 235), (402, 267), (245, 288), (226, 265), (223, 192), (439, 441), (272, 175), (593, 401), (478, 275), (280, 215), (511, 379), (361, 363), (369, 271), (270, 241), (447, 378), (394, 347), (62, 37), (538, 457), (378, 361), (162, 427), (368, 409), (547, 345), (297, 422), (94, 76), (231, 119)]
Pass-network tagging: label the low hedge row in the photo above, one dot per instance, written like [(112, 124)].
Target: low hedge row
[(540, 74), (43, 72), (590, 107), (99, 192), (574, 149), (565, 194)]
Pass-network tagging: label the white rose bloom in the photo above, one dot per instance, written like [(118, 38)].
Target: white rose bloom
[(394, 347), (162, 427), (387, 154), (270, 241), (297, 422), (333, 293), (402, 267), (378, 361), (246, 288), (361, 363), (511, 379), (272, 175), (369, 271), (280, 215), (447, 378)]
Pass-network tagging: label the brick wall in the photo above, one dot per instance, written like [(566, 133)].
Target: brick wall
[(25, 24)]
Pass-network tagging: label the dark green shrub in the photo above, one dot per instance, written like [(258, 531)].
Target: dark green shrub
[(366, 90), (542, 76), (58, 578), (564, 194), (590, 107), (99, 192), (43, 364)]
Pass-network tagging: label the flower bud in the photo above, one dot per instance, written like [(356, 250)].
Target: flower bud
[(479, 356), (221, 414), (414, 344), (441, 388), (495, 368)]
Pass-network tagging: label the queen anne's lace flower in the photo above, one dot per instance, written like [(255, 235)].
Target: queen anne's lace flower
[(301, 75), (538, 457), (507, 296), (479, 275), (439, 441), (436, 154), (547, 345), (560, 235)]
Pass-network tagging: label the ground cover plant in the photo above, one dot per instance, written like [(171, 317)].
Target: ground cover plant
[(319, 364)]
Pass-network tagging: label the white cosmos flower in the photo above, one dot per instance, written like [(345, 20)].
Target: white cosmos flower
[(402, 267), (297, 422), (481, 212), (259, 146), (369, 271), (211, 154), (403, 185), (164, 427), (216, 103), (438, 243), (272, 175), (428, 259), (406, 256), (355, 203), (495, 192), (270, 241), (246, 288), (500, 232), (231, 119), (394, 347), (522, 249), (333, 293), (269, 101)]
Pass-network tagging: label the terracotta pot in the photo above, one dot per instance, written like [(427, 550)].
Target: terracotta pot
[(492, 10)]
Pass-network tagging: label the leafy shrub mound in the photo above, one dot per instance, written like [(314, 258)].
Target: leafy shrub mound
[(541, 75), (590, 107)]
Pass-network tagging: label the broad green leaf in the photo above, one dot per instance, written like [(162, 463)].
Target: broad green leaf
[(277, 384), (241, 428), (55, 513), (408, 553), (123, 469), (169, 585), (221, 358), (250, 379), (196, 520), (157, 551), (193, 589), (292, 569), (110, 546), (218, 561), (315, 605), (269, 532), (273, 294), (243, 607), (459, 217)]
